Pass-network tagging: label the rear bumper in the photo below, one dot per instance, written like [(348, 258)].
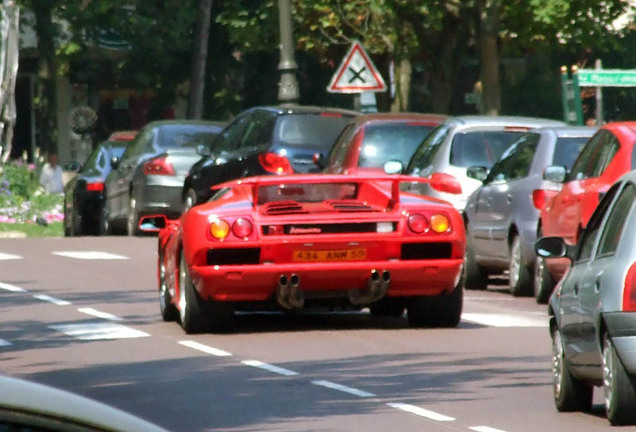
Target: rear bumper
[(161, 199), (258, 282)]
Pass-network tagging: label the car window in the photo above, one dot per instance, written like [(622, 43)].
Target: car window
[(588, 238), (96, 159), (393, 141), (178, 136), (338, 151), (228, 138), (259, 130), (426, 151), (613, 228), (136, 148), (480, 148), (310, 129), (567, 149), (595, 156)]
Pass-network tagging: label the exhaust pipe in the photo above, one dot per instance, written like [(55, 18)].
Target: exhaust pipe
[(282, 292), (377, 287), (288, 292)]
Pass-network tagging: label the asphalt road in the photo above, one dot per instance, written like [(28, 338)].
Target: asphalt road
[(82, 314)]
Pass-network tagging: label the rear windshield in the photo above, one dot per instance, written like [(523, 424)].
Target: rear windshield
[(311, 129), (317, 192), (567, 149), (481, 148), (384, 142), (175, 136)]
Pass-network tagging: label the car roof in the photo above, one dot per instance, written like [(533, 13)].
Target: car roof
[(483, 120), (388, 117), (567, 131), (160, 123), (304, 109)]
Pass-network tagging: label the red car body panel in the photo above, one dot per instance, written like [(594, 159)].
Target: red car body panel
[(427, 263), (565, 214)]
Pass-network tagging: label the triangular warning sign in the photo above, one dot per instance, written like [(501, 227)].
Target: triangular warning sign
[(356, 74)]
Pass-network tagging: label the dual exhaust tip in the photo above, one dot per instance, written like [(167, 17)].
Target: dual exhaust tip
[(288, 292)]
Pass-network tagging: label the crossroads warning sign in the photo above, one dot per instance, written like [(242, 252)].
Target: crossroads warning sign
[(356, 74)]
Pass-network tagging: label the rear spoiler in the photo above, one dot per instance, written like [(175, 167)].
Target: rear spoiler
[(438, 181)]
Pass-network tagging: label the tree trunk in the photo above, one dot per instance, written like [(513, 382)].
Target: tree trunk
[(403, 74), (8, 72), (197, 77), (489, 11)]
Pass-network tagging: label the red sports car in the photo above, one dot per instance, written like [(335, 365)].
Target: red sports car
[(312, 240)]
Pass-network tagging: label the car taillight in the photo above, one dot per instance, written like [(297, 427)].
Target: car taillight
[(95, 187), (440, 223), (417, 223), (629, 291), (242, 228), (275, 163), (540, 197), (443, 182), (159, 166), (219, 229)]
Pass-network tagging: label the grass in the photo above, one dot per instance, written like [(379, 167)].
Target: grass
[(54, 229)]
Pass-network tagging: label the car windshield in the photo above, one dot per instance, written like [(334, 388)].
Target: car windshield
[(309, 192), (384, 142), (480, 148), (320, 129), (567, 149), (96, 159), (175, 136)]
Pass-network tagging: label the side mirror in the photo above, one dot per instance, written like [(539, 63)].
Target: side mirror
[(319, 160), (555, 173), (553, 247), (204, 150), (393, 167), (152, 223), (477, 172)]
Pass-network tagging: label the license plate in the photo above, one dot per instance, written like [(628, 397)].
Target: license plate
[(330, 255)]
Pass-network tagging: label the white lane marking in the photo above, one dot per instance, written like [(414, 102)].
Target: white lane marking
[(98, 314), (269, 367), (97, 331), (484, 429), (342, 388), (4, 343), (504, 320), (12, 288), (90, 255), (4, 256), (204, 348), (431, 415), (53, 300)]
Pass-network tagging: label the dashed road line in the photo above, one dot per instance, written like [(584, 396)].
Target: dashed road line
[(90, 255), (269, 367), (99, 331), (345, 389), (11, 288), (204, 348), (431, 415), (99, 314), (504, 320), (5, 256), (53, 300), (4, 343), (484, 429)]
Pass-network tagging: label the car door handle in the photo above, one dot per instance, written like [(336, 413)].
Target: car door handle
[(509, 198)]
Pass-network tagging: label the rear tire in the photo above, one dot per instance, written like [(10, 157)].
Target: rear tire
[(475, 276), (618, 387), (132, 221), (444, 310), (191, 307), (519, 282), (570, 394), (104, 223), (190, 200), (168, 309), (543, 282)]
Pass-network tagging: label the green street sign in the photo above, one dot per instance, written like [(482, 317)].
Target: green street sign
[(607, 78)]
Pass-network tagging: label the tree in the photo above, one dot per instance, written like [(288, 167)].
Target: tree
[(197, 77), (9, 35)]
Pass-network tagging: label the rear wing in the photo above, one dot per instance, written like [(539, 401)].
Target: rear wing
[(438, 181)]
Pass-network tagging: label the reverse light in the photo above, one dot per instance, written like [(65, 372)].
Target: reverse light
[(440, 223), (95, 187), (384, 227), (629, 291), (219, 229), (275, 163), (540, 197), (242, 228), (159, 166), (417, 223)]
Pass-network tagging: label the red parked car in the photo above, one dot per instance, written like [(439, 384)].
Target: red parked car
[(312, 240), (608, 154), (371, 140)]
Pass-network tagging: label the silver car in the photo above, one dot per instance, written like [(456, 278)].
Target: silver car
[(465, 141), (501, 216), (149, 177), (593, 309)]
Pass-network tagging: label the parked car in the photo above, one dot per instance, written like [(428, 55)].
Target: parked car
[(84, 193), (149, 176), (465, 141), (609, 154), (501, 217), (371, 140), (29, 406), (268, 242), (593, 309), (266, 140)]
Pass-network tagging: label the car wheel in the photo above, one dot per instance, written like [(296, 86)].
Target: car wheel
[(190, 200), (444, 310), (191, 307), (475, 276), (168, 310), (132, 221), (104, 223), (76, 225), (387, 307), (618, 387), (570, 394), (543, 283), (519, 282)]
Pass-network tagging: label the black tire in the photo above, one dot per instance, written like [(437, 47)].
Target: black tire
[(132, 220), (444, 310), (476, 277), (192, 314), (168, 310), (519, 274), (76, 224), (570, 394), (543, 283), (189, 200), (618, 387), (388, 307), (104, 223)]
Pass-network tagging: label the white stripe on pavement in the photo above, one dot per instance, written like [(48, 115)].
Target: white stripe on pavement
[(4, 256), (342, 388), (484, 429), (269, 367), (504, 320), (204, 348), (53, 300), (98, 314), (431, 415), (89, 255), (97, 331), (12, 288), (4, 343)]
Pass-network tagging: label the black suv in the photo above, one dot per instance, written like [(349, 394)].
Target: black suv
[(265, 140)]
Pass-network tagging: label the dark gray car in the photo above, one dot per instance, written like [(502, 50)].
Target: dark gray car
[(593, 309), (501, 216), (149, 177)]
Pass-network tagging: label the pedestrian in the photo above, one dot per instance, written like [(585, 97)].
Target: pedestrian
[(51, 175)]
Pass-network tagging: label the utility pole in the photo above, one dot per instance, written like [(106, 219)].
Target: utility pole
[(288, 85)]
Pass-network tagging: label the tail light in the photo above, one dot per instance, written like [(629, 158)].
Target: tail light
[(219, 229), (417, 223), (440, 223), (95, 187), (275, 163), (159, 166), (629, 291), (242, 228), (540, 197), (443, 182)]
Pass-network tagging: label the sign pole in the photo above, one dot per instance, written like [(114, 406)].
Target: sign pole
[(599, 96)]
